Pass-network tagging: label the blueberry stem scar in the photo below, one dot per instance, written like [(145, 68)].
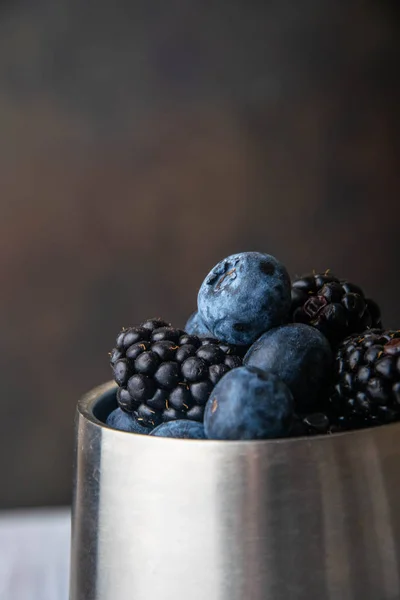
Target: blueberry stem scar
[(224, 276)]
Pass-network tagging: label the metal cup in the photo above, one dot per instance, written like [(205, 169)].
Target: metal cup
[(295, 519)]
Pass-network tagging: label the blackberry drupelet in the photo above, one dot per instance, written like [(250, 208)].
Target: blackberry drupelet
[(335, 306), (317, 423), (367, 391), (165, 374)]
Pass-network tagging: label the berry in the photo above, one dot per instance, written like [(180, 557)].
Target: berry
[(118, 419), (136, 349), (317, 423), (201, 391), (147, 363), (216, 372), (243, 296), (158, 401), (249, 404), (196, 326), (233, 349), (190, 340), (180, 398), (166, 333), (367, 374), (336, 307), (124, 400), (122, 371), (300, 356), (141, 387), (194, 369), (167, 374), (211, 354), (115, 355), (313, 424), (153, 324), (184, 429), (165, 350), (185, 352), (132, 336), (232, 362)]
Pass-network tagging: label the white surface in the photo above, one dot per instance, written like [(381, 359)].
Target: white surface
[(34, 554)]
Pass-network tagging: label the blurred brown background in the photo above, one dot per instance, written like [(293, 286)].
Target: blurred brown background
[(143, 141)]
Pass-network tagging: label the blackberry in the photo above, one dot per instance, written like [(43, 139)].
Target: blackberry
[(317, 423), (335, 306), (367, 390), (165, 374)]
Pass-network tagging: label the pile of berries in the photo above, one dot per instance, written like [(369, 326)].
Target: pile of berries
[(262, 357)]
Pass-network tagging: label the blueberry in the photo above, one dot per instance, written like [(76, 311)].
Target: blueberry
[(183, 429), (299, 355), (122, 421), (196, 326), (249, 404), (243, 296)]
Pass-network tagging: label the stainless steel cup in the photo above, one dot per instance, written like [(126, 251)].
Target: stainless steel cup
[(296, 519)]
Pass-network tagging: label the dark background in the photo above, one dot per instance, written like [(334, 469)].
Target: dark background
[(140, 142)]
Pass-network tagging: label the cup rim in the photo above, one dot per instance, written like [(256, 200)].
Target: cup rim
[(88, 401)]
